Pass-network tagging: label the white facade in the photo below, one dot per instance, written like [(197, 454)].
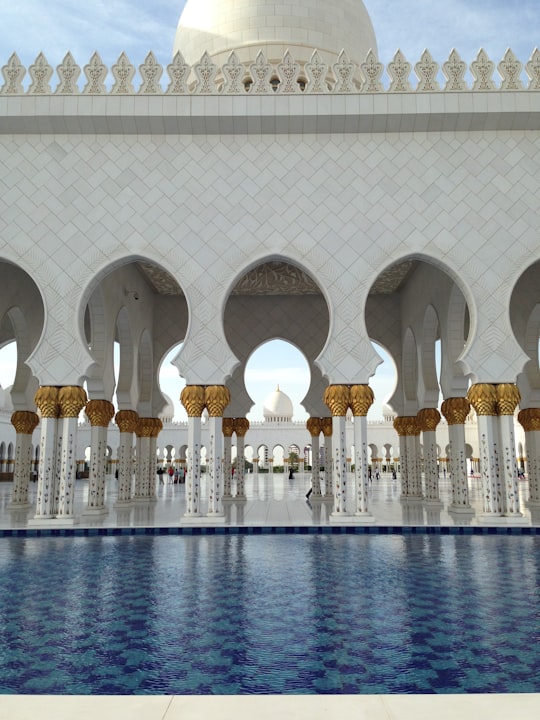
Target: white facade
[(243, 199)]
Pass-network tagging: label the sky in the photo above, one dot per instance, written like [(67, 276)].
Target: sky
[(112, 26)]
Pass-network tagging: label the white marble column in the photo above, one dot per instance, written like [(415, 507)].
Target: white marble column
[(193, 399), (406, 427), (228, 430), (336, 397), (313, 425), (530, 420), (508, 397), (241, 426), (483, 398), (455, 410), (71, 400), (24, 422), (46, 502), (361, 397), (100, 413), (127, 421), (217, 398), (428, 419), (154, 428), (327, 430)]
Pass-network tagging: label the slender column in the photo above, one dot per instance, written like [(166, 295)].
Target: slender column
[(313, 425), (155, 427), (127, 421), (337, 399), (255, 467), (193, 399), (407, 428), (241, 426), (24, 422), (71, 400), (361, 397), (46, 400), (399, 427), (530, 420), (455, 410), (217, 398), (508, 397), (145, 475), (415, 466), (227, 427), (327, 429), (100, 413), (483, 398), (428, 419)]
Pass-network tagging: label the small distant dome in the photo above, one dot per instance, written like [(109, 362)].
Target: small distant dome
[(249, 26), (387, 413), (278, 407)]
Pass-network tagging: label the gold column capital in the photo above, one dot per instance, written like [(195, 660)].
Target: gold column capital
[(337, 398), (529, 418), (25, 421), (427, 419), (508, 397), (100, 412), (455, 410), (149, 427), (217, 397), (127, 421), (326, 426), (228, 426), (241, 426), (361, 399), (313, 426), (483, 398), (46, 399), (71, 399), (193, 399), (406, 425)]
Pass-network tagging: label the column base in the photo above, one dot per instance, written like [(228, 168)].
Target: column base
[(28, 505), (491, 519), (144, 500), (411, 498), (532, 504), (363, 517), (460, 509), (215, 517), (240, 498), (435, 504), (201, 519), (95, 512), (122, 504), (50, 520)]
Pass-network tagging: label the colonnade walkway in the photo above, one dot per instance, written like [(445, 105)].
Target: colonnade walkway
[(271, 500)]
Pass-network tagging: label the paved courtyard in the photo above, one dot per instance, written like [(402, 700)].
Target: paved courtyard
[(272, 500)]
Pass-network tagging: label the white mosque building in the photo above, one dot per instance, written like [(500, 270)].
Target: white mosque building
[(275, 180)]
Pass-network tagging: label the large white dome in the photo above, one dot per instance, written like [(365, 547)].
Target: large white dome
[(278, 407), (247, 26)]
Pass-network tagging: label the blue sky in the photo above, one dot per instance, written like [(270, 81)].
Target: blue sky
[(113, 26)]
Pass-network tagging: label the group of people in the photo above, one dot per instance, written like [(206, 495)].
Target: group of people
[(175, 475)]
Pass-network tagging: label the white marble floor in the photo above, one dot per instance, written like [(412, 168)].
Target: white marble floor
[(272, 500)]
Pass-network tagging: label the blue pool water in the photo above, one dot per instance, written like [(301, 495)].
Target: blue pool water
[(270, 614)]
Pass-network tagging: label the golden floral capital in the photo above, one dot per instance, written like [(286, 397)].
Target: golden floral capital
[(337, 399), (508, 397), (361, 399), (313, 426), (127, 421), (327, 427), (529, 418), (483, 398), (25, 421), (428, 419), (71, 400), (455, 410), (217, 397), (228, 426), (193, 399), (46, 399), (99, 412)]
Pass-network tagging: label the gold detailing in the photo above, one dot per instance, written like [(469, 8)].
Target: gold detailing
[(71, 399), (529, 418), (455, 410), (326, 426), (127, 421), (427, 419), (361, 399), (192, 398), (24, 421), (406, 425), (46, 399), (241, 426), (313, 425), (99, 412), (483, 398), (148, 427), (217, 397), (508, 397), (337, 399), (228, 427)]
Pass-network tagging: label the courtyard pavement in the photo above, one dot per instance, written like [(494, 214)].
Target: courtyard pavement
[(271, 500)]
